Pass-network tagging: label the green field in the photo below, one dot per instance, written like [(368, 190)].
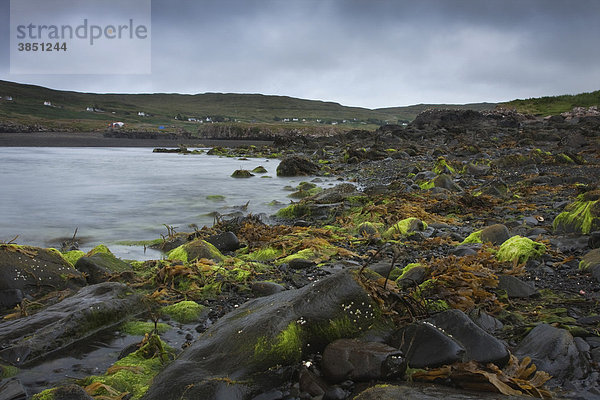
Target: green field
[(553, 105)]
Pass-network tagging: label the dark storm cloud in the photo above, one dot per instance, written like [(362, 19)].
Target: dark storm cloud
[(368, 53)]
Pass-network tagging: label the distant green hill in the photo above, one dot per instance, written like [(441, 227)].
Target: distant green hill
[(553, 105), (408, 113), (28, 107)]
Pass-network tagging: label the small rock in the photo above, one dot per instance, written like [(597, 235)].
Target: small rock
[(515, 288), (336, 393), (12, 389), (300, 263), (296, 166), (485, 321), (479, 345), (413, 277), (359, 361), (424, 345), (462, 250), (270, 395), (445, 182), (590, 261), (10, 298), (594, 240), (495, 234), (260, 289), (553, 350), (99, 266), (311, 383), (226, 241)]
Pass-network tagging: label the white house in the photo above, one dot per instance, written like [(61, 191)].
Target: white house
[(117, 124), (47, 103), (142, 114), (192, 120), (90, 109), (8, 98), (295, 119)]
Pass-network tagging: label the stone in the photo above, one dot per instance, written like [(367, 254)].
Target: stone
[(477, 170), (194, 250), (226, 241), (478, 344), (495, 234), (445, 182), (300, 263), (296, 166), (594, 240), (496, 188), (277, 330), (10, 298), (413, 277), (90, 310), (335, 194), (260, 289), (12, 389), (351, 359), (36, 271), (515, 288), (421, 391), (590, 260), (426, 346), (463, 250), (485, 321), (554, 350), (70, 392), (311, 383), (99, 266)]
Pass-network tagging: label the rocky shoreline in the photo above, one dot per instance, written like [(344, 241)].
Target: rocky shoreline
[(461, 261)]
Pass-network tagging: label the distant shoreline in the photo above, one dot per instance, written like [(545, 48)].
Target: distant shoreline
[(95, 139)]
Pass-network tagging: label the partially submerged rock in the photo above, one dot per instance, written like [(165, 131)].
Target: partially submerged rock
[(296, 166), (92, 309)]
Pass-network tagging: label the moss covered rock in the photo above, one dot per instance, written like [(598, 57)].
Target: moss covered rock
[(99, 266), (582, 216), (294, 211), (242, 173), (260, 170), (36, 271), (405, 227), (195, 250), (186, 311), (520, 249), (495, 234)]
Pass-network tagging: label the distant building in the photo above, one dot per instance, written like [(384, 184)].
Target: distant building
[(142, 114), (192, 119), (116, 125), (47, 103), (8, 98), (295, 119), (286, 120)]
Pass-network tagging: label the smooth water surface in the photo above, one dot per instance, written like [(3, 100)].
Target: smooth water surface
[(122, 194)]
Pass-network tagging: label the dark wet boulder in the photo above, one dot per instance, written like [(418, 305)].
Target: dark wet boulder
[(412, 277), (265, 332), (478, 344), (36, 271), (516, 288), (69, 392), (424, 345), (99, 266), (352, 359), (242, 173), (226, 241), (300, 263), (591, 263), (485, 321), (554, 351), (594, 240), (90, 310), (296, 166)]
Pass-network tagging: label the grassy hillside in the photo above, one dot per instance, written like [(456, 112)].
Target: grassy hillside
[(552, 105), (409, 113), (70, 107)]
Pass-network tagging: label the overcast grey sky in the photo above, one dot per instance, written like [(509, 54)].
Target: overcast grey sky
[(368, 53)]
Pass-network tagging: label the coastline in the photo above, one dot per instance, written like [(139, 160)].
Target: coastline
[(96, 139)]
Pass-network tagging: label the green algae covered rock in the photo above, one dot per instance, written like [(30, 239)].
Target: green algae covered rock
[(242, 173), (405, 227), (582, 216), (590, 261), (495, 234), (185, 311), (194, 250), (73, 255), (520, 249), (260, 170)]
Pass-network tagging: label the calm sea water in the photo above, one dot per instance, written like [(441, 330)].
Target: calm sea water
[(119, 194)]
